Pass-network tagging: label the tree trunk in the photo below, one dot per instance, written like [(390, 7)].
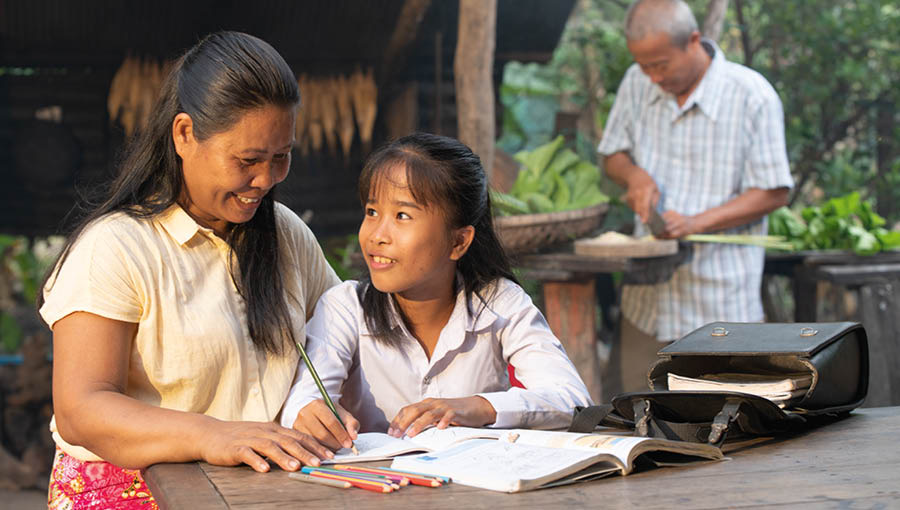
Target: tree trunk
[(473, 77), (715, 19), (886, 152)]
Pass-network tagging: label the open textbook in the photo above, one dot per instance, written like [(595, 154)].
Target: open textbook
[(514, 460), (380, 446), (781, 389)]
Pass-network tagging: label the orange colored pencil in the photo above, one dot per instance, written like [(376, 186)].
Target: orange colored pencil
[(356, 482), (398, 478)]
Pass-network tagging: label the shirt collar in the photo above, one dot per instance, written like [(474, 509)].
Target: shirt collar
[(706, 96), (473, 315), (179, 224)]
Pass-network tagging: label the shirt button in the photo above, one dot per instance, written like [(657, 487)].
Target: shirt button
[(255, 391)]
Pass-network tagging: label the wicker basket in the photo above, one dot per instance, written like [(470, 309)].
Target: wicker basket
[(530, 232)]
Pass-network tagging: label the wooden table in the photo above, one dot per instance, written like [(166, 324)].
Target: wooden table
[(853, 463)]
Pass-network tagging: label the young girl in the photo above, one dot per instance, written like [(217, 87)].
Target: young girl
[(427, 337)]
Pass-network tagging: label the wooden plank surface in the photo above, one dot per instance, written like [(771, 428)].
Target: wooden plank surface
[(853, 463), (183, 486)]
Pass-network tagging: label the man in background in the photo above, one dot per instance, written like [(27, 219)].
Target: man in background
[(701, 140)]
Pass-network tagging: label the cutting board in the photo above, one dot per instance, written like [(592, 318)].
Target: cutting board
[(633, 248)]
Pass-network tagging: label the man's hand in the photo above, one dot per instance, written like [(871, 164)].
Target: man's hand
[(641, 192), (678, 225), (469, 412)]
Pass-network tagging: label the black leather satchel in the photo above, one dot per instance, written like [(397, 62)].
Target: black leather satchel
[(835, 355)]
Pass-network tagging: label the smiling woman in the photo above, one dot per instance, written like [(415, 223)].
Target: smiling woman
[(176, 302)]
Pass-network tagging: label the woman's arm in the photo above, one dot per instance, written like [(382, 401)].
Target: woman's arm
[(90, 373)]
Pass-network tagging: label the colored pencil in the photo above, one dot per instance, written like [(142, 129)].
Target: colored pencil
[(443, 479), (354, 474), (301, 477), (325, 397), (356, 482), (396, 477)]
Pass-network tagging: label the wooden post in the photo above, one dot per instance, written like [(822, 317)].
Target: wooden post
[(473, 77), (569, 307)]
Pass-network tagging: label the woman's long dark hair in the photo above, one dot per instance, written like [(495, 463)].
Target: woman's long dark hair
[(441, 172), (221, 78)]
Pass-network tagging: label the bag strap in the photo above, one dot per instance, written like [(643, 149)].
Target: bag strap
[(646, 424), (586, 419)]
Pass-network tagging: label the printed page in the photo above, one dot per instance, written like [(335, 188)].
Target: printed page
[(616, 445), (499, 465), (374, 446), (436, 439)]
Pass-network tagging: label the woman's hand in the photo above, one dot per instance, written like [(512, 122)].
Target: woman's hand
[(472, 411), (317, 420), (234, 442)]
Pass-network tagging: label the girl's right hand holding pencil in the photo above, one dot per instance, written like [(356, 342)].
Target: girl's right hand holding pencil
[(317, 420)]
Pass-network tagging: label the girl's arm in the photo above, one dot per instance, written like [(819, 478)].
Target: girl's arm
[(331, 342), (90, 373), (552, 385)]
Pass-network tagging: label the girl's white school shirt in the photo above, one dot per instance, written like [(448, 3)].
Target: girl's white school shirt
[(373, 381)]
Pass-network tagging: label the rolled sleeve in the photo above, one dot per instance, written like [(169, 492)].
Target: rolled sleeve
[(96, 277), (618, 135)]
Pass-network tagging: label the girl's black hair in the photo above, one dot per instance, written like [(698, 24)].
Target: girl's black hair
[(221, 78), (441, 172)]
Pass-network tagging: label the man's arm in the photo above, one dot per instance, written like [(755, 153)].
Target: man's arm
[(641, 192), (747, 207)]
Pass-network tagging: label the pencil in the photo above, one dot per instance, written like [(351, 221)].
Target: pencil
[(325, 397), (395, 477), (354, 474), (443, 479), (356, 482), (319, 480)]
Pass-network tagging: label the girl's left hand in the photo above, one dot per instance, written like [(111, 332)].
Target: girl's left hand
[(472, 411)]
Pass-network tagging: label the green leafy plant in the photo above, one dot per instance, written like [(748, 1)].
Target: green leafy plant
[(552, 178), (339, 254), (842, 223)]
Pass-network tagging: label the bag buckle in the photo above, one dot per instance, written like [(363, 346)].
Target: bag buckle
[(719, 427)]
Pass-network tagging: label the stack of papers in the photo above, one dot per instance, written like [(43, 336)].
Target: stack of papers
[(781, 389)]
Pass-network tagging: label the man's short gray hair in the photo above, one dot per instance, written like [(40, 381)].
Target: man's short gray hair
[(649, 17)]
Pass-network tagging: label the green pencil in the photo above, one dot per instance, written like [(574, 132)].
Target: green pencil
[(325, 397)]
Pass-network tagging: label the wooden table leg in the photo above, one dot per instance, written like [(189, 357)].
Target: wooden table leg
[(805, 295), (570, 309), (879, 307)]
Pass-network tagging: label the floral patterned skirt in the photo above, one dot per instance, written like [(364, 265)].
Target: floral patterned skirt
[(77, 484)]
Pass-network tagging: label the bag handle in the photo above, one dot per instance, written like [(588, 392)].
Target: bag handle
[(586, 419)]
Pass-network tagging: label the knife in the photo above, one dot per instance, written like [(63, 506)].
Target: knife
[(655, 223)]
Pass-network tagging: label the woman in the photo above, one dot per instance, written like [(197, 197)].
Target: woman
[(176, 302)]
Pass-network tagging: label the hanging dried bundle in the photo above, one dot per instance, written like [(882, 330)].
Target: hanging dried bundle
[(345, 114), (133, 92), (314, 124), (301, 131), (365, 104), (329, 113)]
